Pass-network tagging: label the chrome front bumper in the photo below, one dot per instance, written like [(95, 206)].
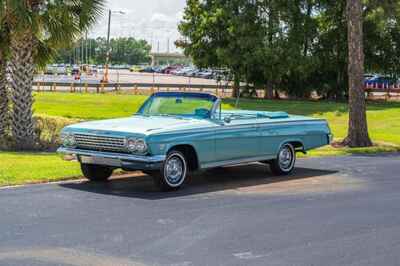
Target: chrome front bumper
[(118, 160)]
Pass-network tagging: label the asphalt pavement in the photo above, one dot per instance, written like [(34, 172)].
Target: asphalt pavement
[(332, 211)]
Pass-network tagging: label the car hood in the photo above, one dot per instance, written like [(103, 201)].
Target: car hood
[(142, 125)]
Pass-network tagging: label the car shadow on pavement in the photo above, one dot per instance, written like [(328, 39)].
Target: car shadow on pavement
[(216, 180)]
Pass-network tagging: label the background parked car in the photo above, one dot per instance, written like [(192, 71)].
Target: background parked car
[(75, 71), (170, 69), (158, 69), (205, 74), (185, 71), (380, 82), (192, 73), (148, 70), (136, 69)]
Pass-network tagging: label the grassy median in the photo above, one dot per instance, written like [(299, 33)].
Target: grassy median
[(19, 168), (22, 168)]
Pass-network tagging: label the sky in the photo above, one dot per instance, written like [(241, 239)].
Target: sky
[(153, 20)]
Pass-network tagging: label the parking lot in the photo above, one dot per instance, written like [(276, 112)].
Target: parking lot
[(332, 211), (125, 76)]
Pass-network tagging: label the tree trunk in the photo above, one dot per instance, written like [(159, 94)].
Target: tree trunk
[(236, 86), (358, 129), (269, 90), (21, 79), (306, 26), (4, 112)]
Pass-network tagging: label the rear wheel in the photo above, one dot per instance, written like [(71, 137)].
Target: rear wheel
[(285, 161), (96, 173), (173, 172)]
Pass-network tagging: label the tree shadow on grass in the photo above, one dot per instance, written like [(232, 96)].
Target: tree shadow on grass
[(218, 180)]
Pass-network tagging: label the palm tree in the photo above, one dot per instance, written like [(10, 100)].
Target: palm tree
[(3, 97), (4, 102), (37, 28)]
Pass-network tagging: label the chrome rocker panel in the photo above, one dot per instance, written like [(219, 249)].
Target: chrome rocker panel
[(118, 160)]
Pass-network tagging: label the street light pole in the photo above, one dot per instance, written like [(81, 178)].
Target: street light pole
[(86, 48), (105, 78)]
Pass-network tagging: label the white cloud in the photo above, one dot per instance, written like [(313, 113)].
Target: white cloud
[(158, 17), (153, 20)]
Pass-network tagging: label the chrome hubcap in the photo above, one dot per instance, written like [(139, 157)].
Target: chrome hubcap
[(285, 158), (174, 170)]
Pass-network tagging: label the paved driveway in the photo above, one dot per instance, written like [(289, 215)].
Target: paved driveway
[(333, 211)]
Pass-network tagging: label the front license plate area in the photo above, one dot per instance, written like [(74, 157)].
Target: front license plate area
[(101, 161)]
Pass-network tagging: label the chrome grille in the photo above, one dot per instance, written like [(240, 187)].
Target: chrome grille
[(100, 143)]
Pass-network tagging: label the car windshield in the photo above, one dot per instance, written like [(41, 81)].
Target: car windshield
[(179, 104)]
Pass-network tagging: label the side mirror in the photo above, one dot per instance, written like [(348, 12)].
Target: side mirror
[(227, 119)]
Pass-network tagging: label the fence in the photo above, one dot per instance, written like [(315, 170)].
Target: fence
[(379, 90), (373, 91), (135, 88)]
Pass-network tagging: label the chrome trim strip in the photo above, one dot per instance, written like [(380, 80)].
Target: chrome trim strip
[(122, 157), (237, 161), (220, 127)]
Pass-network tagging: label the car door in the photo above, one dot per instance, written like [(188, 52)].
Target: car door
[(239, 139), (270, 138)]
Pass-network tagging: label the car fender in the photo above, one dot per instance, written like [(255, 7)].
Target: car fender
[(291, 140), (169, 146)]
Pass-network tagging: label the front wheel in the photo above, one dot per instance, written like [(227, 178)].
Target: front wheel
[(285, 161), (96, 173), (173, 172)]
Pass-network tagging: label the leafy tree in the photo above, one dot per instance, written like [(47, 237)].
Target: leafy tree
[(295, 46), (123, 51), (248, 38), (130, 51), (329, 77), (382, 37), (220, 34), (299, 46), (37, 27)]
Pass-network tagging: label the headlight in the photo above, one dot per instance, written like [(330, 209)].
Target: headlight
[(141, 146), (136, 145), (68, 140), (131, 145)]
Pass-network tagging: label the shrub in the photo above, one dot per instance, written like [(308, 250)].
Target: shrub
[(47, 131)]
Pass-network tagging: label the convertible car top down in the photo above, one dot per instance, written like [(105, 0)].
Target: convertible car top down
[(174, 133)]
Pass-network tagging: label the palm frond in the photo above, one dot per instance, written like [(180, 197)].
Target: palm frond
[(90, 11), (44, 54)]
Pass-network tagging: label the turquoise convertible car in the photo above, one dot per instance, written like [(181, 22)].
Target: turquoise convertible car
[(175, 133)]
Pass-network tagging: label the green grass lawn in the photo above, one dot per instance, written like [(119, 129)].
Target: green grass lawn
[(383, 118), (87, 106), (18, 168), (22, 168)]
